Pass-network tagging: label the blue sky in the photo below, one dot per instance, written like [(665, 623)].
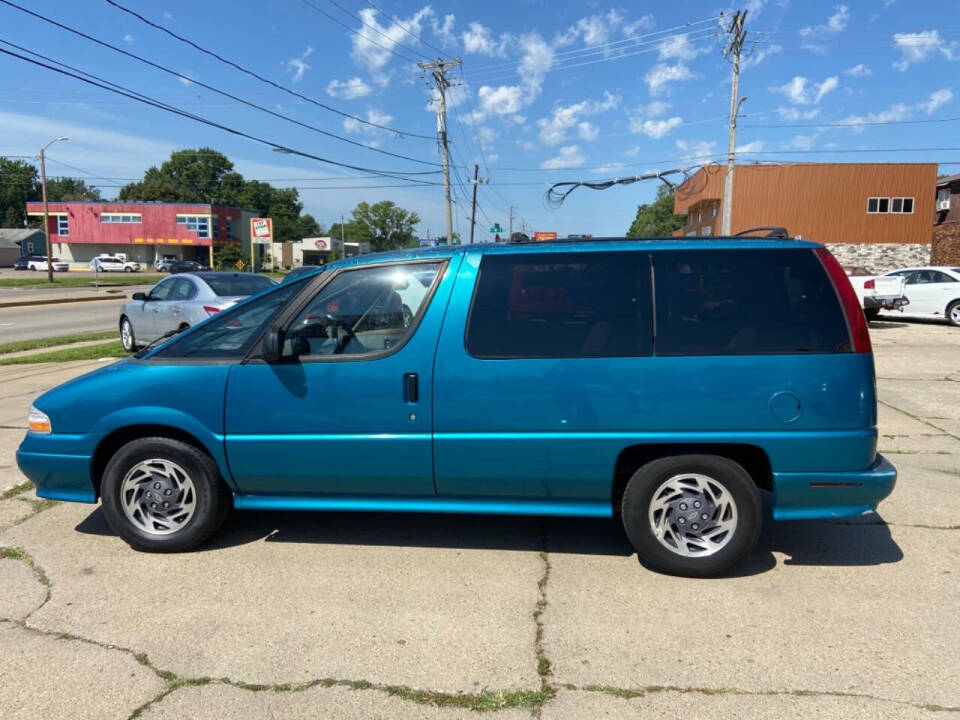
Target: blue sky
[(548, 92)]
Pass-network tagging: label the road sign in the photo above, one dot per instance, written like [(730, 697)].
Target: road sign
[(261, 231), (538, 236), (241, 264), (496, 228)]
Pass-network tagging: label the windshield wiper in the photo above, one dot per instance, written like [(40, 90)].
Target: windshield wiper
[(168, 334)]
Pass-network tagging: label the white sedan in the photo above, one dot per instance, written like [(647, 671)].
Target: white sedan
[(39, 262), (933, 292), (105, 263)]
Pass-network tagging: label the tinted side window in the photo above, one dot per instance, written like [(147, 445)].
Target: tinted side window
[(162, 289), (182, 290), (553, 305), (231, 333), (746, 302)]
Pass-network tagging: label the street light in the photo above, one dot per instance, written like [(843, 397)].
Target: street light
[(46, 214)]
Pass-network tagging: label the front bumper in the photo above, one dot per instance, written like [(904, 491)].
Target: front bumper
[(61, 475), (822, 495)]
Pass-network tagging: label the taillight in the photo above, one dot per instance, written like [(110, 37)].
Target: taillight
[(869, 284), (848, 300), (211, 310)]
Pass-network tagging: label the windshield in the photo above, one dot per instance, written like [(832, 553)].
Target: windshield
[(230, 285)]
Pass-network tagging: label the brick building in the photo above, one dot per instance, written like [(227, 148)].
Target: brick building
[(870, 214), (946, 222), (143, 231)]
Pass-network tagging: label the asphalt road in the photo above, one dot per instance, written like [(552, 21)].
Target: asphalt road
[(39, 321)]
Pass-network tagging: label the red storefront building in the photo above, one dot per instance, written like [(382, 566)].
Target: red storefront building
[(142, 231)]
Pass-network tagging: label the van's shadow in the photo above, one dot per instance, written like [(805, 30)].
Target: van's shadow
[(855, 543), (886, 325)]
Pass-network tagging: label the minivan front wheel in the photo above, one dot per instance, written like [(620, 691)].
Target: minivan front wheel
[(163, 495), (692, 515)]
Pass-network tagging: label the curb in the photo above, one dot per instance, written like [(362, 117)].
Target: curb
[(60, 301)]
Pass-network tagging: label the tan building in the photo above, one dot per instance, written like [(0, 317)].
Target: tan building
[(871, 214)]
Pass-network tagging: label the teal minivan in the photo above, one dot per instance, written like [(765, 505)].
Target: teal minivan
[(668, 382)]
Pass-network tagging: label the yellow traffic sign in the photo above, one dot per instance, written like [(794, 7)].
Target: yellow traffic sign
[(241, 264)]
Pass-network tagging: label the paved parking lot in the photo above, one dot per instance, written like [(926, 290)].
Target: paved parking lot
[(359, 616)]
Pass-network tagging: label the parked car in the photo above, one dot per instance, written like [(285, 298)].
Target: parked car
[(163, 265), (39, 262), (933, 292), (877, 293), (298, 272), (186, 266), (666, 382), (23, 263), (178, 302), (110, 263)]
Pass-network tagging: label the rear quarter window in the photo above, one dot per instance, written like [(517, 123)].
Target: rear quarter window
[(746, 302)]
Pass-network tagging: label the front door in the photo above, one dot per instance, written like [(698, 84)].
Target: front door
[(929, 291), (347, 411)]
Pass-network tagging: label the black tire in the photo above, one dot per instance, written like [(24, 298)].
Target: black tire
[(128, 269), (953, 313), (212, 498), (132, 345), (653, 553), (872, 314)]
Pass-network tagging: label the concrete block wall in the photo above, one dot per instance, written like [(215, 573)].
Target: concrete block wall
[(881, 257)]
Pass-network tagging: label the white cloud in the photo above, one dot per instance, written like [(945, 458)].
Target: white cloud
[(478, 40), (594, 30), (569, 157), (679, 47), (487, 136), (919, 47), (298, 65), (492, 157), (608, 169), (372, 44), (553, 128), (456, 95), (835, 23), (750, 147), (792, 113), (445, 31), (858, 70), (527, 145), (128, 39), (588, 131), (535, 62), (644, 22), (938, 98), (659, 77), (803, 142), (186, 80), (801, 91), (696, 149), (167, 15), (349, 89), (373, 116), (760, 54), (656, 108), (649, 120)]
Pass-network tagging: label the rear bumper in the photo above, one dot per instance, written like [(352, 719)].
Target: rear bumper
[(884, 303), (821, 495)]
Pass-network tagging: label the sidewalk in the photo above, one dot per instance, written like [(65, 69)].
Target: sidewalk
[(29, 296)]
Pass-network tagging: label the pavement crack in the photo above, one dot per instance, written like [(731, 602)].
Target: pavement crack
[(630, 693), (544, 669), (889, 524), (940, 430), (16, 489), (17, 553)]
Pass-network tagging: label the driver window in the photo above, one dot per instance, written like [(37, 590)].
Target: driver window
[(182, 290), (363, 311), (162, 290)]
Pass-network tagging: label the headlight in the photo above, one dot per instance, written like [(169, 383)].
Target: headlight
[(38, 422)]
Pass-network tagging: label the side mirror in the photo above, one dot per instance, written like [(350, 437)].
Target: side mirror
[(139, 296), (273, 344)]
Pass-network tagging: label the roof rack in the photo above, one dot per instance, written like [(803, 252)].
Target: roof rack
[(772, 232)]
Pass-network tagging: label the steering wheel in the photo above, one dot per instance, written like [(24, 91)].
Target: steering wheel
[(345, 340)]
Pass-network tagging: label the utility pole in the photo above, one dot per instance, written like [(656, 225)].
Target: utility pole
[(510, 236), (46, 211), (473, 209), (737, 35), (438, 68)]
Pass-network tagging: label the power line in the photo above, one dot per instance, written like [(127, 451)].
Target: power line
[(855, 124), (251, 73), (149, 101), (357, 33), (187, 78)]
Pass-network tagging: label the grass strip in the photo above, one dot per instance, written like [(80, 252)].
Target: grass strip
[(84, 282), (22, 345), (88, 352)]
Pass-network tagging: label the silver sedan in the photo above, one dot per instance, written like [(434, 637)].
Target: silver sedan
[(180, 301)]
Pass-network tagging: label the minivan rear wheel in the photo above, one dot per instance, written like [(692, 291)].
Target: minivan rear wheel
[(163, 495), (692, 515)]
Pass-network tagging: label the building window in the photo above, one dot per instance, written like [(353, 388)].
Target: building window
[(901, 205), (200, 224), (216, 226), (229, 228), (63, 225), (699, 215), (125, 219), (878, 205), (715, 209)]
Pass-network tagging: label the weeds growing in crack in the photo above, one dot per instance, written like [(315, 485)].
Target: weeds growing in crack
[(16, 490)]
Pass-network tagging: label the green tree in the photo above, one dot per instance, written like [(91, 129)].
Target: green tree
[(18, 184), (385, 225), (226, 256), (657, 218), (352, 232), (70, 189)]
